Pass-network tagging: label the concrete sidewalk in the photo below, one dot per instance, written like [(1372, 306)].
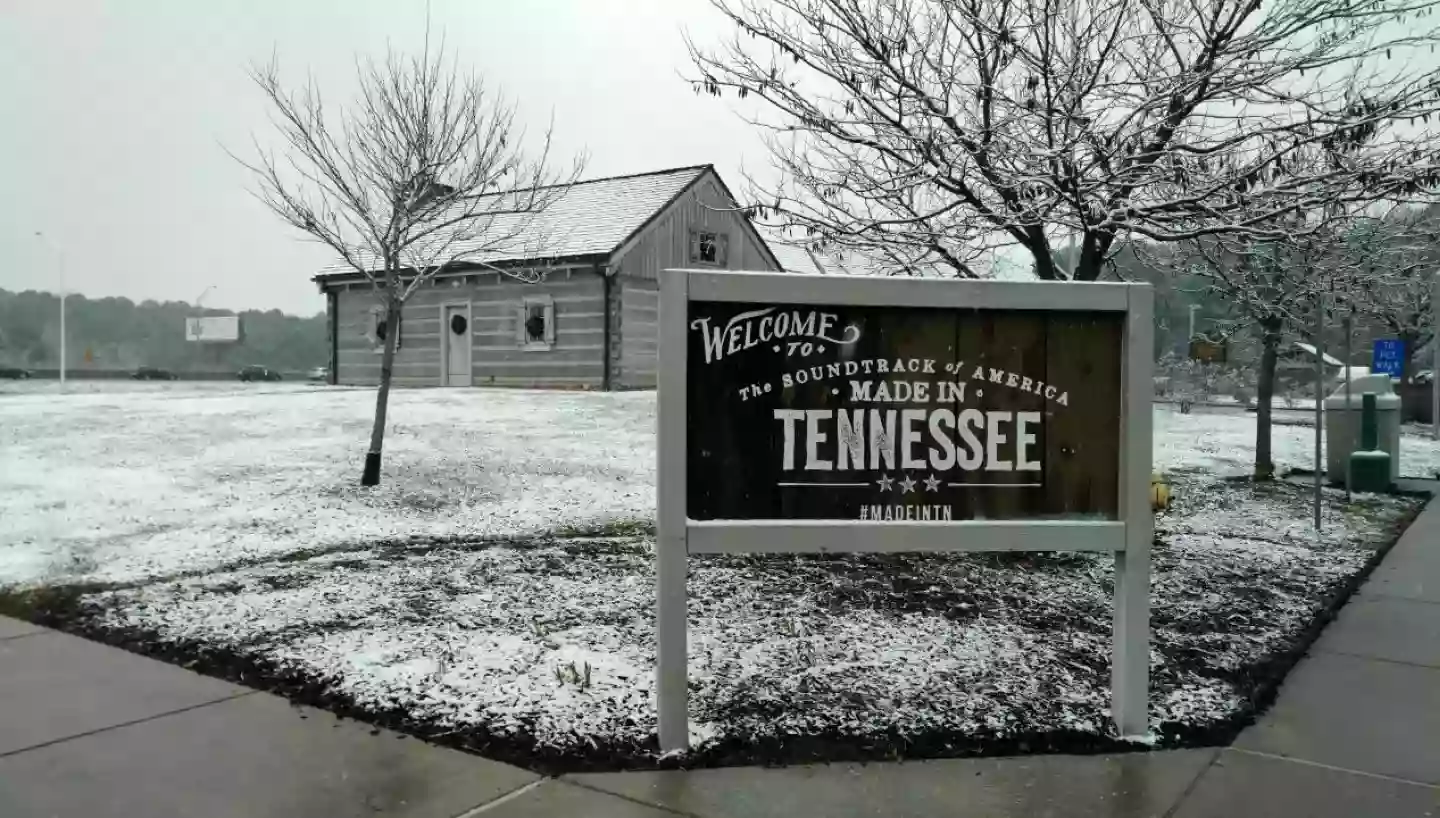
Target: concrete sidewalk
[(88, 730)]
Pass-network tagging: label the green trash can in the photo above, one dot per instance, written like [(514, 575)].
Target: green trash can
[(1369, 465), (1342, 429)]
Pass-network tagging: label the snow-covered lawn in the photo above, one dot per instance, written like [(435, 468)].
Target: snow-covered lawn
[(542, 653), (1223, 443), (119, 481), (231, 517), (127, 480)]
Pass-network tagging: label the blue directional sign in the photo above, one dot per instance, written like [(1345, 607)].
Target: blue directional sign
[(1389, 357)]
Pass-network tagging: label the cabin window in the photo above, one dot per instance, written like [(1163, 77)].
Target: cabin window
[(707, 247), (535, 323), (377, 328)]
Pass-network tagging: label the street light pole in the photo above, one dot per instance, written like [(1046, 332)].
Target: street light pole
[(210, 356), (1319, 399), (62, 338), (1435, 366)]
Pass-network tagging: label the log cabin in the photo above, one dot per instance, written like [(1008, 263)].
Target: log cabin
[(588, 322)]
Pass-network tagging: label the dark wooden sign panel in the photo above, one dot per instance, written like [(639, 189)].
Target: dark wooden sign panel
[(1208, 351), (884, 413)]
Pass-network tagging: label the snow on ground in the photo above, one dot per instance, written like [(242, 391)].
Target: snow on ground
[(193, 494), (549, 647), (1223, 443), (130, 480), (124, 480)]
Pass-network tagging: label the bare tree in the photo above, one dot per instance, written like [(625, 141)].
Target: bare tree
[(931, 131), (1285, 289), (1403, 258), (425, 169)]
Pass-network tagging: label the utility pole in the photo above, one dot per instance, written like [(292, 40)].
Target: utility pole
[(1349, 417), (60, 259), (1191, 336)]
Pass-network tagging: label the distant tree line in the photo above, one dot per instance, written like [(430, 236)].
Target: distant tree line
[(117, 333)]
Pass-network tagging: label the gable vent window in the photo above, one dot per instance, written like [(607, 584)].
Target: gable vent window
[(535, 323), (708, 248)]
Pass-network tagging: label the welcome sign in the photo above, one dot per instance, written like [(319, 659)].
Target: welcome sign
[(831, 414), (876, 413)]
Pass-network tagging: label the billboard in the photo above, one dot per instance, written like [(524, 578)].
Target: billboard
[(213, 329)]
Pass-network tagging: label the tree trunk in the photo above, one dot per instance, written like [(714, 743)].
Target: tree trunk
[(1093, 247), (1264, 394), (371, 475), (1407, 371), (1045, 268)]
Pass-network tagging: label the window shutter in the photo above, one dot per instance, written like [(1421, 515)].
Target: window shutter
[(550, 324), (722, 249), (520, 324)]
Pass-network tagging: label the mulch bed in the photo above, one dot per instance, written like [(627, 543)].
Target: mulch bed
[(1225, 617)]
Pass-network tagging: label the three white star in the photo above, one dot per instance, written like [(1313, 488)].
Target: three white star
[(908, 483)]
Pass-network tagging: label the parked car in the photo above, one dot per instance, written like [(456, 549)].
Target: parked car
[(255, 372), (319, 373), (151, 373), (14, 373)]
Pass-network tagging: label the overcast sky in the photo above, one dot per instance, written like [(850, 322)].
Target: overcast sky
[(115, 114)]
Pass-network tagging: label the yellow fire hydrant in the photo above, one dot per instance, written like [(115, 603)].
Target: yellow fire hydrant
[(1159, 493)]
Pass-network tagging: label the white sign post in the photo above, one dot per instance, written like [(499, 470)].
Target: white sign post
[(767, 302)]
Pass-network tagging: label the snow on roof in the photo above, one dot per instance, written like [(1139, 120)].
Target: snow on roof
[(793, 258), (1007, 271), (796, 258), (593, 217), (1309, 349)]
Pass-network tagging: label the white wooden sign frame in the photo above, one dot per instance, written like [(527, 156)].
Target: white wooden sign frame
[(1128, 537)]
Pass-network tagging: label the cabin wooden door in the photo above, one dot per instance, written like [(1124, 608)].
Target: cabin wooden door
[(456, 350)]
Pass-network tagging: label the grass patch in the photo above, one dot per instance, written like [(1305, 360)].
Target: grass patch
[(614, 528), (51, 606)]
